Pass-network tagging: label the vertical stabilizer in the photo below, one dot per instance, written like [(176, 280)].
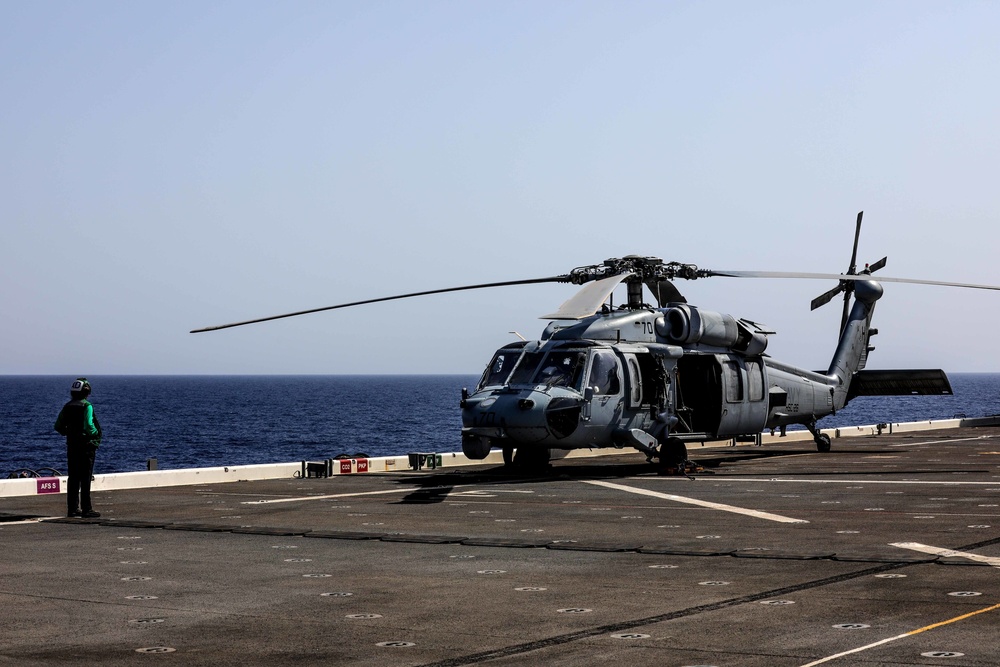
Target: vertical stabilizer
[(852, 350)]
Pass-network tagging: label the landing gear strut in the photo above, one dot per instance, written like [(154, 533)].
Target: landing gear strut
[(508, 456), (822, 439)]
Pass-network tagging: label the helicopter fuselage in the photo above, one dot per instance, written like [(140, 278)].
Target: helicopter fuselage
[(638, 378)]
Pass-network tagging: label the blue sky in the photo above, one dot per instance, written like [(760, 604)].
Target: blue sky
[(175, 165)]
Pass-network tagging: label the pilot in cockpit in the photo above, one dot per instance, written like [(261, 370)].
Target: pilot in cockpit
[(560, 370), (555, 374)]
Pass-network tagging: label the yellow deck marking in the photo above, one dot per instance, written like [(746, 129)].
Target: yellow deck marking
[(902, 636), (732, 480)]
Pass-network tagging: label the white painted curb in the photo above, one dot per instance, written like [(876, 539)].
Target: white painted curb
[(157, 478)]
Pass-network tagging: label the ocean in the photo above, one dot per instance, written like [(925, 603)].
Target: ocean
[(204, 421)]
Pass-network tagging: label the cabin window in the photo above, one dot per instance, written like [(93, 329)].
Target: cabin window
[(636, 376), (755, 380), (733, 378), (604, 376)]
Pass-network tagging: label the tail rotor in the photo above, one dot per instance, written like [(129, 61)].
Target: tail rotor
[(847, 286)]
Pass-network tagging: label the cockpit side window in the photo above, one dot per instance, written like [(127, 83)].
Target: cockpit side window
[(605, 377), (499, 369), (563, 368)]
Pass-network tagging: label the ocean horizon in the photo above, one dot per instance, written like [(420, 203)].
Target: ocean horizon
[(188, 421)]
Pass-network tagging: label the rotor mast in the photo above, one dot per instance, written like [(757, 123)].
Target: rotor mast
[(652, 272)]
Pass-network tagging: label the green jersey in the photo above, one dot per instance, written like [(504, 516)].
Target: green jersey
[(77, 422)]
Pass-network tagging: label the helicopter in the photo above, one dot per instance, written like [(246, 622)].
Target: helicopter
[(658, 377)]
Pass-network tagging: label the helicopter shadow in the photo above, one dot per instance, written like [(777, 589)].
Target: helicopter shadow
[(435, 487)]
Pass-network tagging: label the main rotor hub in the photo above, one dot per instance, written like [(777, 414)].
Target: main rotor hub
[(643, 269)]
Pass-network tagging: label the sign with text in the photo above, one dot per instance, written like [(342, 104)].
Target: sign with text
[(47, 485)]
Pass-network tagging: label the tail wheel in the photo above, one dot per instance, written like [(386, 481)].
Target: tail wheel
[(822, 442)]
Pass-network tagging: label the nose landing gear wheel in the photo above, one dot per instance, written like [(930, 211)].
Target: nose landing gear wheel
[(532, 459)]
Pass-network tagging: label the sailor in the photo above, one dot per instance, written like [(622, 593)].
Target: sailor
[(77, 422)]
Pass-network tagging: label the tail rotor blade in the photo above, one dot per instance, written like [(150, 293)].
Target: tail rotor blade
[(872, 268), (854, 253), (826, 297)]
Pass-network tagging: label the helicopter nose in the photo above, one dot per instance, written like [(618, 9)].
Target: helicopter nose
[(526, 417), (518, 417)]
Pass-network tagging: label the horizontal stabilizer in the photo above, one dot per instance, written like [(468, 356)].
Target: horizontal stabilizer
[(927, 382)]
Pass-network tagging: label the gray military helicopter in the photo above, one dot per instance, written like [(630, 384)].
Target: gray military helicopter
[(656, 377)]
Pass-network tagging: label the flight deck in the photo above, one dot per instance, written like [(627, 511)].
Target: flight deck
[(883, 551)]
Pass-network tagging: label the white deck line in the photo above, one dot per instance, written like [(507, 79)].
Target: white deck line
[(700, 503), (297, 499), (940, 551)]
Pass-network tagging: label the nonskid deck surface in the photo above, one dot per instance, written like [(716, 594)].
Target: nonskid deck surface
[(780, 556)]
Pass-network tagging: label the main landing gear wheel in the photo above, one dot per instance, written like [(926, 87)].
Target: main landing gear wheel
[(674, 458)]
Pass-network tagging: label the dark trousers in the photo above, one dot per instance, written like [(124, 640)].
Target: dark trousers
[(81, 468)]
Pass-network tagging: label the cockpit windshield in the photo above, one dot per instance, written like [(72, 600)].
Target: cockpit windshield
[(559, 368), (526, 368)]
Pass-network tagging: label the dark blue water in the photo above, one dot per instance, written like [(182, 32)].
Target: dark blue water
[(202, 421)]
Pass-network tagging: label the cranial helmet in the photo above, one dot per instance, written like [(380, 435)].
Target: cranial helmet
[(80, 386)]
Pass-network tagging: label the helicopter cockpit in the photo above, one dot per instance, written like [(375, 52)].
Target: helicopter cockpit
[(560, 393), (513, 365)]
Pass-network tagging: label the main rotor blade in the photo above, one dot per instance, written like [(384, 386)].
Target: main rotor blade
[(588, 300), (552, 279), (664, 291), (840, 276)]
